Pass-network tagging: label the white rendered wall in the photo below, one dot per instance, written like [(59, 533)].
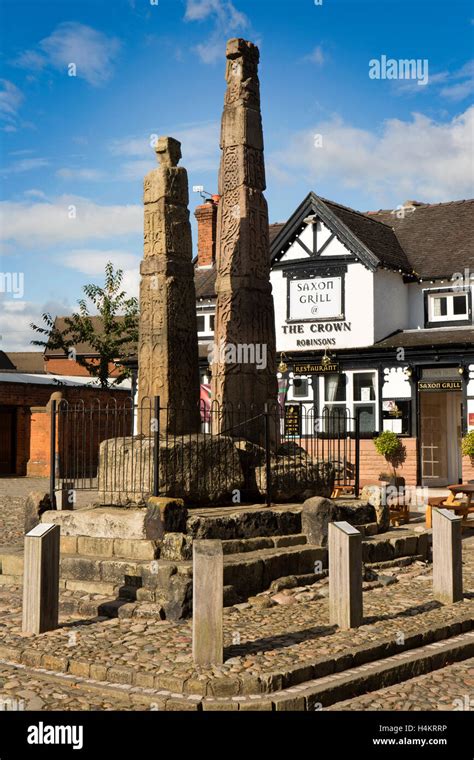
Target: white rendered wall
[(390, 303)]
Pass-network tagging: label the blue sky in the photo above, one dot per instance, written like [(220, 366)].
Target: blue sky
[(143, 69)]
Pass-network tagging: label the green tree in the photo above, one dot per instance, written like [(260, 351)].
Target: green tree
[(111, 335)]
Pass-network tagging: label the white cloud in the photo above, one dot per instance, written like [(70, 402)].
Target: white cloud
[(10, 100), (453, 85), (87, 174), (420, 158), (316, 56), (198, 10), (47, 224), (16, 317), (464, 86), (199, 145), (92, 52), (93, 260), (34, 193), (30, 59), (25, 165), (227, 19)]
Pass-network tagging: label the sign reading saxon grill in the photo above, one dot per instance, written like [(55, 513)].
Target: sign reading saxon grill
[(315, 298), (313, 369), (440, 385)]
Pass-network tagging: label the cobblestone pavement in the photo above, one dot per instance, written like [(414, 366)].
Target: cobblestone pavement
[(20, 689), (451, 688), (259, 640), (269, 636)]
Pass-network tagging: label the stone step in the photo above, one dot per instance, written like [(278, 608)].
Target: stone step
[(121, 548), (232, 523), (11, 561), (79, 567), (242, 545), (253, 572), (328, 690), (11, 580)]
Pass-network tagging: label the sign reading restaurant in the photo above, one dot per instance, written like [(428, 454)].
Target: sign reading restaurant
[(315, 298), (310, 368)]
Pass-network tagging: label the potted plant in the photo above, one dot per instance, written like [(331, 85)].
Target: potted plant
[(467, 446), (388, 444)]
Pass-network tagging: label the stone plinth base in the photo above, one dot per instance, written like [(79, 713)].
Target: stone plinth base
[(200, 469)]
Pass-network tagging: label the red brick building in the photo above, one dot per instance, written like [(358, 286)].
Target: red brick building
[(27, 381)]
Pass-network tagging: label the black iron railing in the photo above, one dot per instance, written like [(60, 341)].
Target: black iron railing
[(233, 454)]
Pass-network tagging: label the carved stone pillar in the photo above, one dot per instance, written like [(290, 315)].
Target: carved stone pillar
[(244, 362), (168, 345)]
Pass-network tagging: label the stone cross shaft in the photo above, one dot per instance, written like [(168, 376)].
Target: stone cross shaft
[(244, 312), (168, 345)]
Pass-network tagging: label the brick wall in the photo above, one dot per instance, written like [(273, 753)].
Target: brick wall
[(33, 419), (65, 366), (38, 462), (206, 216), (372, 463)]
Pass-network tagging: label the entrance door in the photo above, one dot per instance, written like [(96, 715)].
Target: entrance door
[(7, 440), (440, 438)]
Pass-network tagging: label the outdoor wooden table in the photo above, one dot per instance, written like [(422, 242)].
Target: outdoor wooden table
[(460, 507), (450, 502)]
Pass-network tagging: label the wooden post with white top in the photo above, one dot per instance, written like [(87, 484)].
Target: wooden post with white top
[(208, 597), (447, 556), (41, 579), (345, 575)]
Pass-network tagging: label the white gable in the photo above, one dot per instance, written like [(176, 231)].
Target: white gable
[(333, 248)]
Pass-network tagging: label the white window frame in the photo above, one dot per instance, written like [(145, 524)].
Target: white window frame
[(349, 403), (207, 332), (449, 316)]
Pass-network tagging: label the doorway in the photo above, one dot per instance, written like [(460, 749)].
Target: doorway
[(440, 434), (7, 440)]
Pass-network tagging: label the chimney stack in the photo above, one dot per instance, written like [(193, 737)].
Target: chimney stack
[(206, 215)]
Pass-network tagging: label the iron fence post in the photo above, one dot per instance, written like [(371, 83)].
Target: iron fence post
[(156, 447), (268, 468), (357, 455), (52, 456)]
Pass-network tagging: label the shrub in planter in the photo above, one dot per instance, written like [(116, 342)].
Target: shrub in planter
[(467, 446), (389, 446)]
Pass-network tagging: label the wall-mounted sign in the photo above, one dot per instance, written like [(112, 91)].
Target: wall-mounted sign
[(292, 420), (471, 420), (315, 369), (315, 298), (440, 385)]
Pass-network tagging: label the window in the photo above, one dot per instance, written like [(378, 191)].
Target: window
[(334, 388), (351, 395), (205, 323), (364, 389), (443, 306), (300, 387), (397, 416)]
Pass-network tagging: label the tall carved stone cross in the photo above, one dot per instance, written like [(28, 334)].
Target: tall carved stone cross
[(168, 345), (245, 314)]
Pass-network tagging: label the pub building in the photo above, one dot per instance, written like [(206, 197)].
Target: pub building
[(373, 321)]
